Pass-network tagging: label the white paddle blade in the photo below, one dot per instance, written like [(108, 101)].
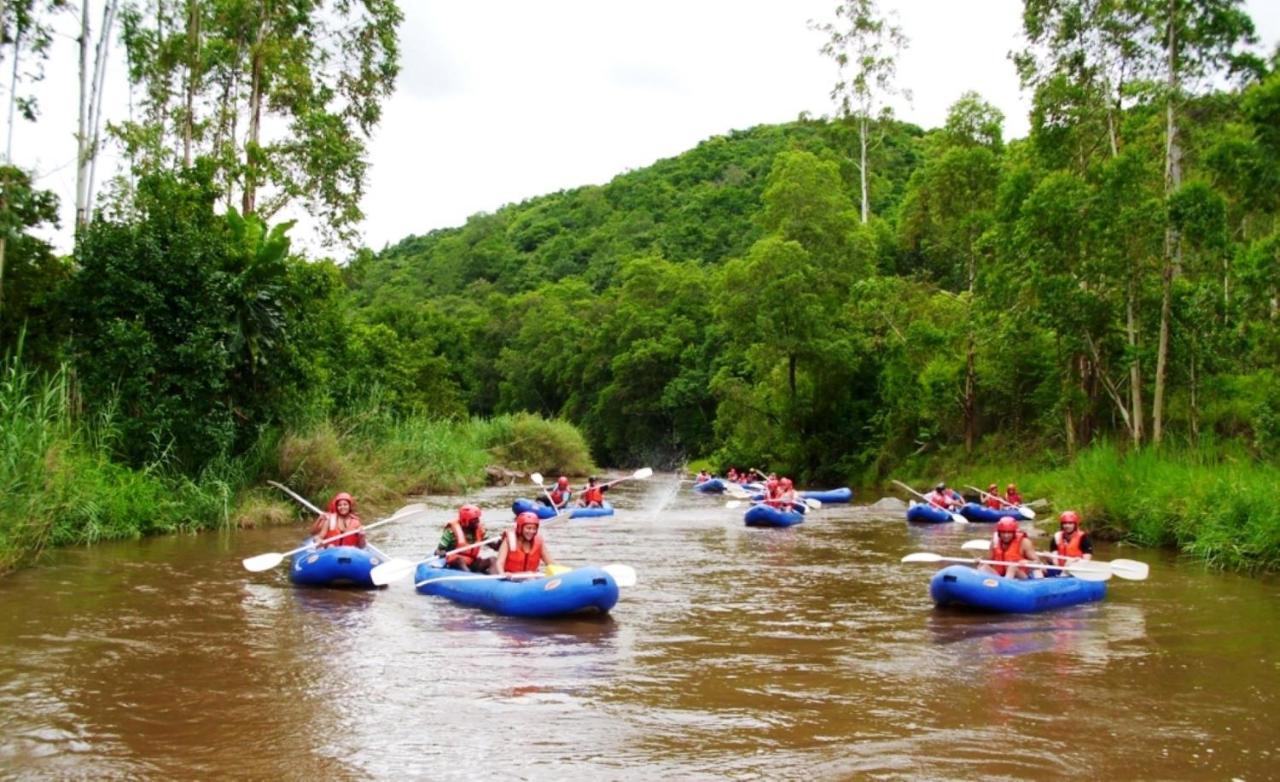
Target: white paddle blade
[(733, 504), (812, 503), (1089, 571), (408, 510), (394, 570), (642, 473), (958, 519), (922, 556), (263, 562), (623, 575), (976, 545), (536, 478), (1130, 569), (1026, 511)]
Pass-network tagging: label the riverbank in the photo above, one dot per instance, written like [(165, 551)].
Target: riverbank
[(1220, 508), (62, 486)]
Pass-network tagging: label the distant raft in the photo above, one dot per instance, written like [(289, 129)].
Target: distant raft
[(980, 513), (523, 505), (711, 486), (585, 590), (961, 585), (843, 494), (767, 516), (335, 566), (927, 514)]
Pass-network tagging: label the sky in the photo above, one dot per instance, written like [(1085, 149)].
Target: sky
[(503, 100)]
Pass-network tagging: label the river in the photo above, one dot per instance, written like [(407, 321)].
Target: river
[(742, 653)]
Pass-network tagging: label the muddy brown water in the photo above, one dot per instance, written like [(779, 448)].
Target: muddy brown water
[(799, 653)]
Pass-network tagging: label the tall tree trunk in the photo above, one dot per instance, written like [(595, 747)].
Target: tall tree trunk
[(970, 402), (82, 124), (1136, 412), (1194, 412), (791, 377), (255, 118), (193, 78), (862, 166), (93, 114), (1172, 239)]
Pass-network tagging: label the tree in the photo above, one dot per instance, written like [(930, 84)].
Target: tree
[(215, 72), (865, 45)]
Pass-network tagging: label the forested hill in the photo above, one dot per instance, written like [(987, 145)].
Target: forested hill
[(701, 206), (729, 302)]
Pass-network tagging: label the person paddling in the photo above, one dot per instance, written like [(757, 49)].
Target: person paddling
[(463, 531), (703, 477), (786, 497), (523, 549), (341, 517), (1012, 496), (559, 496), (593, 495), (944, 498), (1070, 543), (1009, 544), (992, 500)]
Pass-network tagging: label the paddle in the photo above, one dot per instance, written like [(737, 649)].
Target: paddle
[(1025, 510), (1128, 569), (623, 575), (1091, 571), (956, 517), (267, 561)]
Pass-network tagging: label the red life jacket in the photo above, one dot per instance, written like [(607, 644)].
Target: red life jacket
[(334, 525), (994, 502), (1068, 549), (1011, 554), (460, 539), (559, 498), (1013, 498), (519, 561), (593, 496)]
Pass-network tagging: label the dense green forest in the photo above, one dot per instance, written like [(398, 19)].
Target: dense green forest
[(841, 299)]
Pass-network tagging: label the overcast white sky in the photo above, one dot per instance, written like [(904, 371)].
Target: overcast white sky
[(503, 100)]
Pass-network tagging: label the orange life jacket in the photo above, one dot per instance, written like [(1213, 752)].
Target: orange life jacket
[(1013, 553), (559, 498), (593, 496), (334, 524), (460, 539), (519, 561), (1068, 549)]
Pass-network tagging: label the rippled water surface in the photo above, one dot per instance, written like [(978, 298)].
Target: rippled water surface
[(743, 653)]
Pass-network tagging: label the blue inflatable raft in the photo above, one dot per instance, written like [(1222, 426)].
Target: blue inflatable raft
[(961, 585), (927, 514), (336, 566), (980, 513), (521, 505), (766, 516), (585, 590), (711, 486), (844, 494)]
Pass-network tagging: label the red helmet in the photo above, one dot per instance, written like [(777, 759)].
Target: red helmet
[(1069, 517), (468, 513), (1006, 524), (528, 517), (786, 483), (342, 495), (993, 487), (562, 482)]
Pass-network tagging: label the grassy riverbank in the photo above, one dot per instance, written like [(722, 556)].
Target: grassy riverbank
[(61, 485), (1218, 507)]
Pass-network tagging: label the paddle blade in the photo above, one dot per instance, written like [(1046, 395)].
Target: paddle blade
[(557, 570), (958, 519), (1090, 571), (976, 545), (922, 556), (394, 570), (1026, 511), (733, 504), (407, 510), (263, 562), (812, 503), (623, 575), (1130, 569), (536, 478), (642, 473)]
